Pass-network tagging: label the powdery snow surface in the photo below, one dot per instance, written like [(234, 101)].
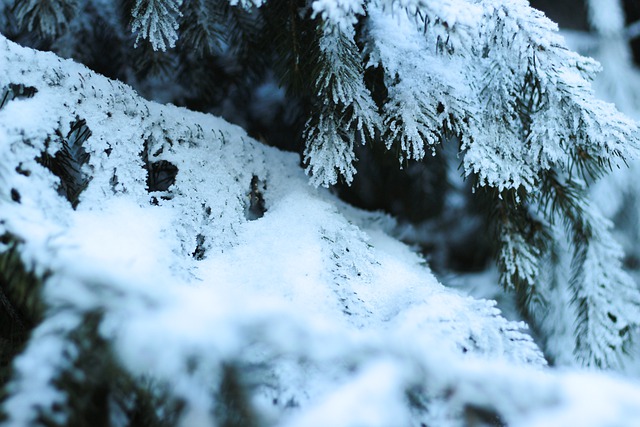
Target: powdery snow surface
[(337, 323)]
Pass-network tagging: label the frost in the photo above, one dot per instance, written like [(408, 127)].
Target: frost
[(417, 116), (328, 156), (497, 76), (610, 314), (156, 21), (346, 113)]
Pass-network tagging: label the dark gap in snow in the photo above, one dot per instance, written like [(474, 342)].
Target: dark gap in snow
[(16, 91), (255, 209), (200, 251), (233, 403), (417, 399), (22, 171), (15, 195), (471, 344), (68, 161), (158, 152), (161, 175), (292, 403), (624, 331), (478, 416), (631, 262), (114, 181)]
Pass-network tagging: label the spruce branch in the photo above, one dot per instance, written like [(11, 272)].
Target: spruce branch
[(15, 91), (341, 15), (89, 386), (21, 306), (524, 246), (202, 25), (48, 17), (417, 118), (20, 286), (68, 161), (148, 62), (329, 150), (340, 95), (157, 22), (605, 297), (234, 406), (217, 28), (291, 36)]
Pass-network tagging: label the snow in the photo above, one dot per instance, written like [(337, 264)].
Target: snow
[(131, 241), (314, 298), (373, 398), (413, 110), (341, 13), (301, 283), (577, 389)]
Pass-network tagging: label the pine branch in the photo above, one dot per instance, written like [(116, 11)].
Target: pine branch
[(68, 161), (48, 17), (416, 117), (234, 406), (96, 387), (15, 91), (202, 25), (290, 35), (221, 52), (148, 62), (20, 286), (606, 298), (21, 307), (344, 112), (157, 22)]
